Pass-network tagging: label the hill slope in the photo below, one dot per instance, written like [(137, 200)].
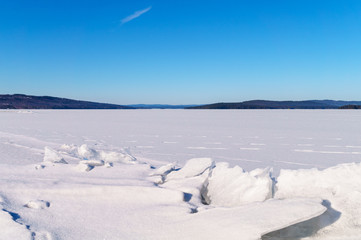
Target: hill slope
[(263, 104), (21, 101)]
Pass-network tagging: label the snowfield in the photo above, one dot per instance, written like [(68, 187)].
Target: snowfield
[(180, 174)]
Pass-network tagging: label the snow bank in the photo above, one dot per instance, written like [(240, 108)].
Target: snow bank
[(339, 186), (230, 187), (130, 206), (251, 221), (201, 200)]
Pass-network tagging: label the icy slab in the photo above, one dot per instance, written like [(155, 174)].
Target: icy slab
[(250, 222), (83, 167), (230, 187), (193, 167), (191, 187), (53, 156), (113, 156), (164, 170)]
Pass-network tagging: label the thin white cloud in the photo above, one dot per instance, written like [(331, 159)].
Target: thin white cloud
[(135, 15)]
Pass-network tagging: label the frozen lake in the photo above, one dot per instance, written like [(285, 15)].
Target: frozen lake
[(180, 174), (290, 139)]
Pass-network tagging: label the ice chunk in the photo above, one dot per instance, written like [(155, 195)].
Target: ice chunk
[(108, 164), (83, 167), (112, 156), (86, 152), (93, 163), (69, 148), (53, 156), (194, 167), (232, 187), (164, 170)]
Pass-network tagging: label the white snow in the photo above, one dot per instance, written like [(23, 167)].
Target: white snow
[(339, 186), (11, 229), (176, 174)]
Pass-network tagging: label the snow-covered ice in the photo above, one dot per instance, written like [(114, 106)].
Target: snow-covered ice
[(233, 187), (177, 174)]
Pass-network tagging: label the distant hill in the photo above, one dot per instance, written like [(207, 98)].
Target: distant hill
[(350, 107), (160, 106), (21, 101), (264, 104)]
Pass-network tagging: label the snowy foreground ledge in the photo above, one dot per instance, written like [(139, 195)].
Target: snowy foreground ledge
[(83, 193)]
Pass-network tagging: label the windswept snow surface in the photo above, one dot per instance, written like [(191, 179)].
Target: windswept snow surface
[(180, 174)]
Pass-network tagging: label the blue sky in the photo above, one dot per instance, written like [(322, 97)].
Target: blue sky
[(181, 52)]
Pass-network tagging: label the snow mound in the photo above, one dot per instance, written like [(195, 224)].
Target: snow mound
[(37, 204), (230, 187), (53, 156), (193, 167)]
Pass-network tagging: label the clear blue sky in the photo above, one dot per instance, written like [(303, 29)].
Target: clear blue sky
[(181, 52)]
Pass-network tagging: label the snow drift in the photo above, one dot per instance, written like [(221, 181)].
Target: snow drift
[(203, 199)]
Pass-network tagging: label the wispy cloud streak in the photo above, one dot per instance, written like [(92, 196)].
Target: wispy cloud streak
[(135, 15)]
